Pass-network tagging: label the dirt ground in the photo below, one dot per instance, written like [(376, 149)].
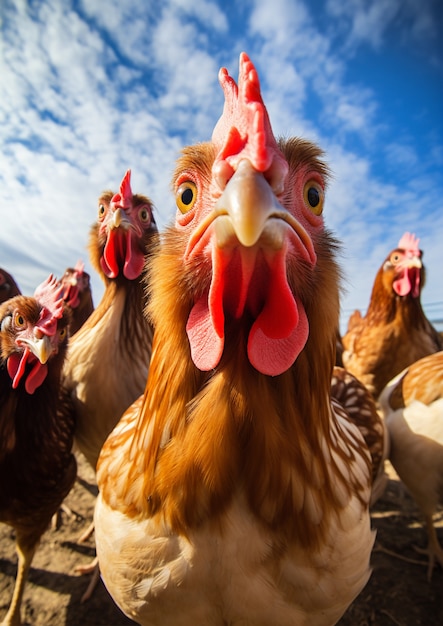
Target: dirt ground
[(398, 592)]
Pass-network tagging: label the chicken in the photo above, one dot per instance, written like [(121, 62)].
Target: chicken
[(395, 331), (412, 404), (234, 491), (78, 295), (108, 357), (37, 466), (8, 286)]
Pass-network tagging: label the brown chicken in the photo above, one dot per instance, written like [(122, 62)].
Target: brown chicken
[(8, 286), (77, 295), (412, 404), (108, 357), (235, 491), (37, 467), (395, 331)]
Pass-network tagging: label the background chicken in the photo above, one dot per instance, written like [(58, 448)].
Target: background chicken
[(8, 286), (412, 404), (234, 491), (395, 331), (109, 357), (37, 467), (77, 295)]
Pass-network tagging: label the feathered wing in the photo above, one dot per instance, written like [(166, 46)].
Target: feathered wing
[(355, 398)]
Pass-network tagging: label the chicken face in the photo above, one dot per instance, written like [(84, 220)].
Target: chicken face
[(255, 223), (32, 330), (404, 267), (123, 221), (75, 281)]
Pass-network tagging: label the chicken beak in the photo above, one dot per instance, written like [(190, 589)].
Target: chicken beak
[(249, 201), (414, 261), (41, 348), (118, 218)]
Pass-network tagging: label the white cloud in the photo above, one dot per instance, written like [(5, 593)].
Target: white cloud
[(370, 21)]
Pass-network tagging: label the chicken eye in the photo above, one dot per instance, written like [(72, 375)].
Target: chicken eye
[(62, 333), (19, 320), (395, 258), (185, 196), (101, 210), (313, 196), (144, 215)]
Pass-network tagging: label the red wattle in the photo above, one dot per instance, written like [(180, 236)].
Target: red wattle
[(120, 254), (402, 284), (206, 344), (17, 366), (273, 356), (242, 286)]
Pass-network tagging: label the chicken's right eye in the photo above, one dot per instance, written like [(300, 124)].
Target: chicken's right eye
[(101, 210), (186, 196)]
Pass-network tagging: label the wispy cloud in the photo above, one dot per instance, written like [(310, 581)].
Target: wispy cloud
[(369, 22)]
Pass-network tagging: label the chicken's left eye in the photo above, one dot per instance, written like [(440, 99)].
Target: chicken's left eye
[(185, 196), (19, 320), (144, 214), (62, 333), (313, 195)]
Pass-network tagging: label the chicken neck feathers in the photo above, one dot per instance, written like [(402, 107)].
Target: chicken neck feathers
[(107, 364)]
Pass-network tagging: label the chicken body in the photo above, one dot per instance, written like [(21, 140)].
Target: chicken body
[(412, 404), (232, 569), (37, 466), (395, 331), (234, 491), (108, 357)]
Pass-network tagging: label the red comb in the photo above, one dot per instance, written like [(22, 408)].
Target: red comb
[(124, 198), (79, 267), (409, 242), (49, 296), (244, 129)]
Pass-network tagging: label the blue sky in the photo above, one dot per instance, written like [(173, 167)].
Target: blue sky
[(90, 88)]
